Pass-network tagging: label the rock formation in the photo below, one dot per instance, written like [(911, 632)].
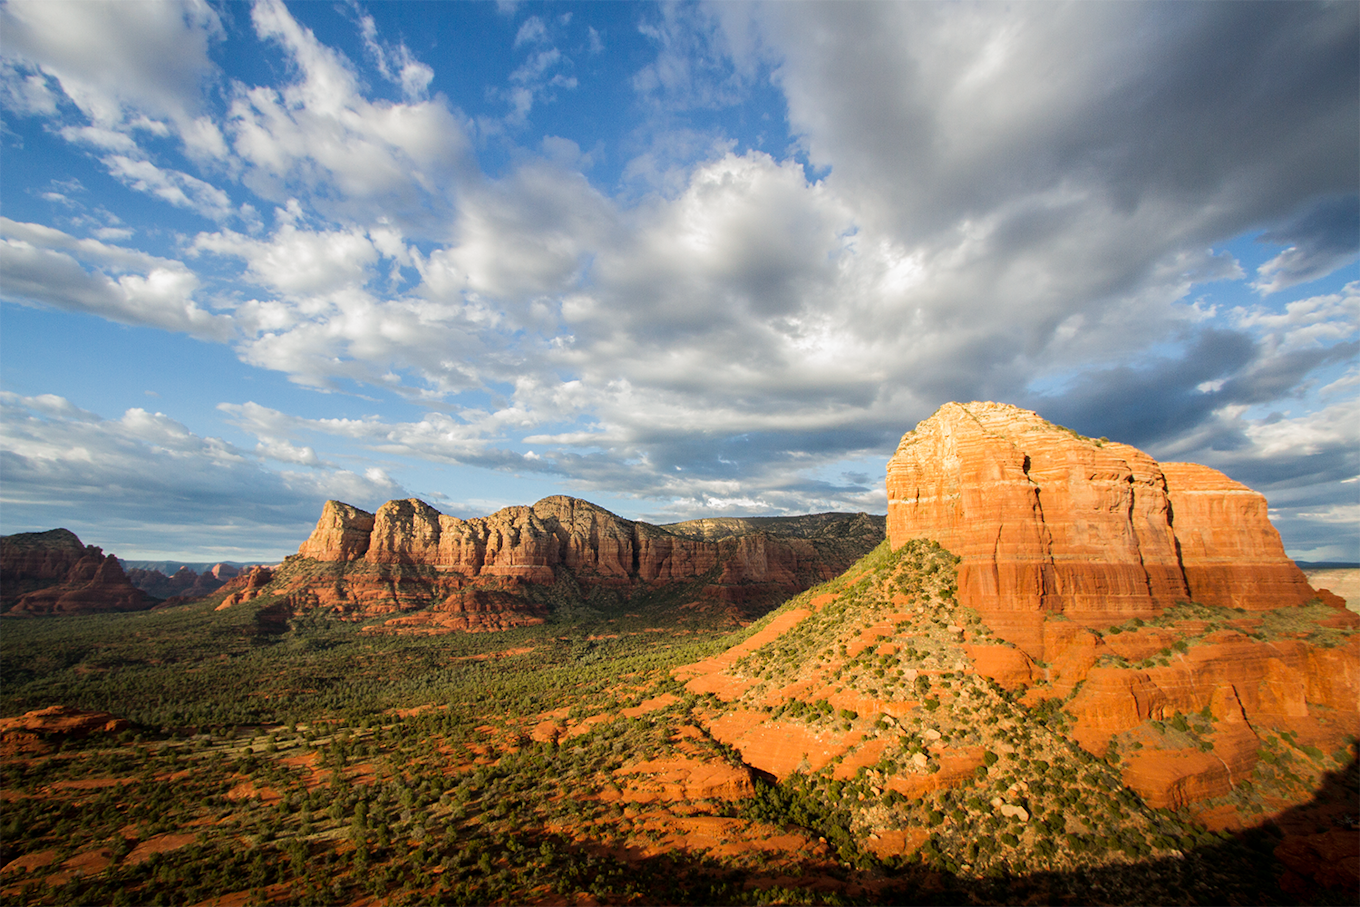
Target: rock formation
[(53, 573), (1094, 621), (437, 572), (35, 732), (185, 584), (1047, 521)]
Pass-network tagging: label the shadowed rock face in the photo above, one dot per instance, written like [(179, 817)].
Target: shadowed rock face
[(490, 572), (184, 584), (53, 573), (1048, 521)]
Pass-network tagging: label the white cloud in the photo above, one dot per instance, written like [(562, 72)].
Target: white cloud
[(529, 234), (47, 267), (351, 157), (148, 483), (298, 262), (115, 58), (1313, 322), (24, 91), (396, 64), (694, 66), (177, 188), (531, 31)]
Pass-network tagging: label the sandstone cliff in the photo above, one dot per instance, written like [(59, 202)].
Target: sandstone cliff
[(880, 690), (1094, 621), (435, 572), (1047, 521), (53, 573)]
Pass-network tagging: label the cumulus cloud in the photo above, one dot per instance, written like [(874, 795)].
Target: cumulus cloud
[(298, 262), (116, 61), (146, 484), (44, 266)]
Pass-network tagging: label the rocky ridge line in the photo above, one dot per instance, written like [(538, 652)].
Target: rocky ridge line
[(433, 572), (54, 573)]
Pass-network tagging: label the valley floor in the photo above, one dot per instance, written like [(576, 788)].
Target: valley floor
[(571, 763)]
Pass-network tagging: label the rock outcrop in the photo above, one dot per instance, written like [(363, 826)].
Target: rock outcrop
[(1048, 521), (34, 733), (185, 584), (1094, 621), (501, 570), (53, 573)]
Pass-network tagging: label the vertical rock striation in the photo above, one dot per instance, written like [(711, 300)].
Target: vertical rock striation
[(494, 571), (1048, 521)]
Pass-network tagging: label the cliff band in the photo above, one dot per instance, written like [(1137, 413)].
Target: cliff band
[(1046, 520), (492, 572)]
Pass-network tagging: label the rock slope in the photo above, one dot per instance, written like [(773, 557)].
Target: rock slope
[(1117, 661), (431, 571), (880, 701), (53, 573)]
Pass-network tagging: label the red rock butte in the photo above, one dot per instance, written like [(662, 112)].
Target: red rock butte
[(1048, 521), (491, 573)]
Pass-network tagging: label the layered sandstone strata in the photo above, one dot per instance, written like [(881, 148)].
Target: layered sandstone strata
[(1046, 520), (491, 572), (53, 573)]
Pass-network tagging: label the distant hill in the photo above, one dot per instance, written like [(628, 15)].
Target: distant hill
[(53, 572), (169, 568), (440, 573), (813, 525), (184, 583)]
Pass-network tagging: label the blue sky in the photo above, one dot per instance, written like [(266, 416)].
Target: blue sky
[(677, 259)]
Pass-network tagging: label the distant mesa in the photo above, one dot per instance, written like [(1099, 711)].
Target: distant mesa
[(53, 573), (184, 583), (432, 572)]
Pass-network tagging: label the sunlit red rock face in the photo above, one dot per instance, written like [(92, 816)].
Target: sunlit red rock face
[(53, 573), (1047, 521), (1151, 604), (488, 573)]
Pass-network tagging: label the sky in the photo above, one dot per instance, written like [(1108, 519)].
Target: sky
[(679, 260)]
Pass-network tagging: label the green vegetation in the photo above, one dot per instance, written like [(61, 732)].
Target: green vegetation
[(314, 762)]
